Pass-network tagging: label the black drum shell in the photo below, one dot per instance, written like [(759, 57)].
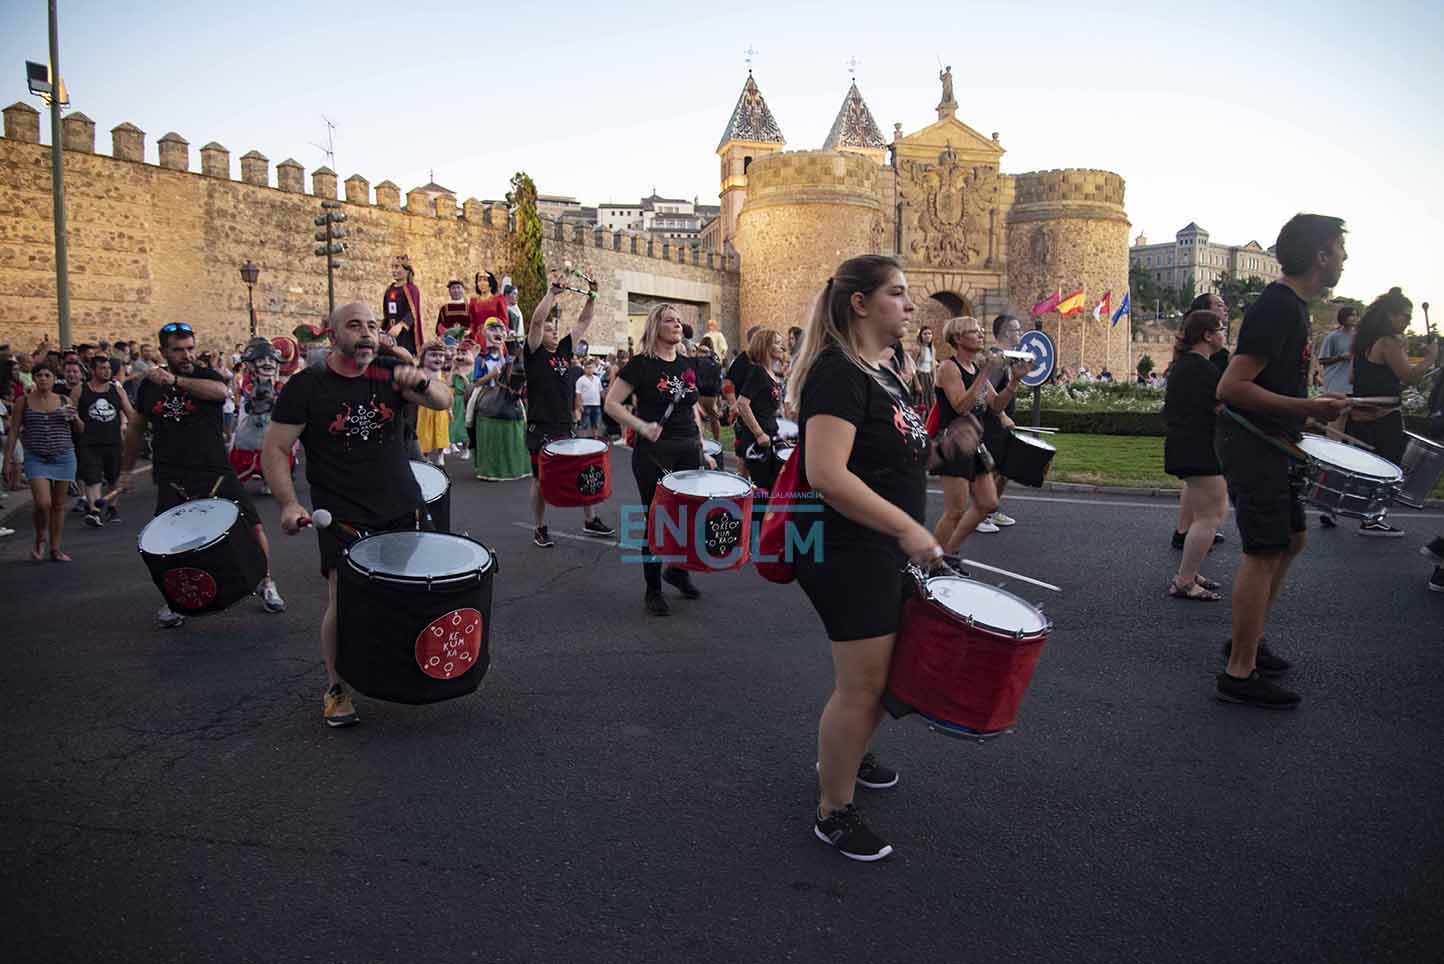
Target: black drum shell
[(1026, 464), (377, 624), (235, 562), (440, 510)]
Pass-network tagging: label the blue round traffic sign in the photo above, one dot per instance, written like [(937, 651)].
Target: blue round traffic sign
[(1045, 356)]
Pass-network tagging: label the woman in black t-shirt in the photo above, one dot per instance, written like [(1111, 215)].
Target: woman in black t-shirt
[(759, 402), (668, 426), (970, 493), (1191, 410), (864, 453)]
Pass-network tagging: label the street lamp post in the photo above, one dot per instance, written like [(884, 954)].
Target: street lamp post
[(249, 273), (48, 85)]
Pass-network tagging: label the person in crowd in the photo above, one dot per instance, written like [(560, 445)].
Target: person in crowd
[(498, 449), (737, 374), (181, 405), (1266, 386), (925, 361), (1006, 379), (74, 377), (462, 364), (453, 320), (969, 493), (1190, 409), (401, 305), (1380, 370), (1336, 352), (1105, 375), (718, 340), (668, 426), (344, 414), (1208, 301), (433, 425), (759, 403), (794, 341), (589, 401), (24, 369), (44, 420), (547, 359), (709, 380), (101, 405)]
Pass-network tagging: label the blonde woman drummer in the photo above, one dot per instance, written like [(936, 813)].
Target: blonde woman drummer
[(970, 493), (864, 452)]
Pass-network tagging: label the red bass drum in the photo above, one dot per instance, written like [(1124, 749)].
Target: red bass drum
[(575, 471), (701, 520)]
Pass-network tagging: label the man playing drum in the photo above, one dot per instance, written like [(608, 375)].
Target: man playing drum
[(181, 404), (1265, 391), (347, 414)]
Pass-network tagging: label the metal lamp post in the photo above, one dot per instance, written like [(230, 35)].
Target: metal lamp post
[(249, 273)]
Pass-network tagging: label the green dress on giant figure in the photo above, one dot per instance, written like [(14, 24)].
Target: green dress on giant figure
[(459, 385), (500, 454)]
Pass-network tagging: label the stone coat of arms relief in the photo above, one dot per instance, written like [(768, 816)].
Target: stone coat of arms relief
[(949, 206)]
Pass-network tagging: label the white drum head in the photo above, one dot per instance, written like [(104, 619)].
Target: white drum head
[(784, 452), (987, 606), (1348, 457), (707, 484), (433, 481), (711, 447), (575, 446), (188, 526), (786, 428), (1028, 438), (419, 555)]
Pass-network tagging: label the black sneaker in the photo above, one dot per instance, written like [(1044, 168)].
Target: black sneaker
[(1380, 528), (656, 604), (874, 775), (92, 519), (540, 537), (1254, 690), (1178, 538), (1218, 537), (1327, 521), (845, 830), (596, 527), (1436, 580), (682, 580), (1434, 550), (1266, 661), (112, 515)]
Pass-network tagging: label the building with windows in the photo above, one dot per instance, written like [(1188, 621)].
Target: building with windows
[(1191, 259)]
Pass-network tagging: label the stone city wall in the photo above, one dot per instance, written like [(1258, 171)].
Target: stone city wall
[(154, 243)]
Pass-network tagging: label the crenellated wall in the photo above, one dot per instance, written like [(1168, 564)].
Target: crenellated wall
[(153, 243)]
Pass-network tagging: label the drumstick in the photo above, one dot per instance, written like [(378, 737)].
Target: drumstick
[(217, 487), (1011, 575), (1021, 428), (1344, 436), (1374, 400)]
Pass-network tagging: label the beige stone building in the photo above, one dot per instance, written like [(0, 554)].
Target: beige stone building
[(973, 239), (1191, 259)]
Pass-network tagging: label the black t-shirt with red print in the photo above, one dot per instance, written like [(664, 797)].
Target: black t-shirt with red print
[(548, 389), (356, 459), (187, 433), (764, 394), (890, 451), (1276, 327), (657, 384)]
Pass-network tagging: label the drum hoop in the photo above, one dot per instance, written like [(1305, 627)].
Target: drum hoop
[(201, 548), (550, 442), (1423, 442), (405, 580), (444, 478), (1319, 461), (748, 487), (997, 630)]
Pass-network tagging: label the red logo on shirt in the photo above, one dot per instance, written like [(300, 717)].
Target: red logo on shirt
[(361, 421), (174, 406)]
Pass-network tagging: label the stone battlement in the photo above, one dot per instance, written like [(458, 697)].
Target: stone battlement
[(1069, 184), (803, 173)]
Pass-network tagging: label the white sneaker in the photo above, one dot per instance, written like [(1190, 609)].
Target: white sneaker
[(999, 519), (986, 526), (271, 597), (6, 532), (1379, 527), (169, 618)]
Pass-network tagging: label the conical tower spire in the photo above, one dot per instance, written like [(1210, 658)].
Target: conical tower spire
[(751, 120), (854, 129)]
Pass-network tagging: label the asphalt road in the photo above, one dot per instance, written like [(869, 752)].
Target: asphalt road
[(633, 789)]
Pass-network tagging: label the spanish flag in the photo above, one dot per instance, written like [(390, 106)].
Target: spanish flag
[(1072, 304)]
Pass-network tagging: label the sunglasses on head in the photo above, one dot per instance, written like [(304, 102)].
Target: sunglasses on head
[(176, 326)]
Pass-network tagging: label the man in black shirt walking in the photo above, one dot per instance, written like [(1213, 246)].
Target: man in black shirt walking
[(100, 403), (182, 405), (1266, 386), (346, 412), (549, 398)]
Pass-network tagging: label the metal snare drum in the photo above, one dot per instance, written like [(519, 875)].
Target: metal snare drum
[(1423, 464), (1345, 480)]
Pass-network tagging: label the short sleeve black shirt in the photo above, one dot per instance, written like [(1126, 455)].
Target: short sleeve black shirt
[(891, 447), (549, 387), (186, 433), (657, 384), (737, 373), (1276, 328), (356, 458), (1000, 378), (1189, 402), (764, 394)]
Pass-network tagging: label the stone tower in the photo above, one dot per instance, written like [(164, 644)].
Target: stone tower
[(854, 130), (751, 132)]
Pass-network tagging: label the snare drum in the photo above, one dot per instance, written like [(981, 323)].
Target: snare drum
[(575, 471), (713, 448), (435, 492), (202, 555), (701, 520), (964, 656), (413, 615), (1026, 458), (1345, 480), (787, 429), (1423, 464)]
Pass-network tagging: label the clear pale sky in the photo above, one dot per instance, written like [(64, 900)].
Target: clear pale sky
[(1234, 115)]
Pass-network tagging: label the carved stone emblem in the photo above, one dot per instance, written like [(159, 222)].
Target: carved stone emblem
[(1043, 245), (951, 200)]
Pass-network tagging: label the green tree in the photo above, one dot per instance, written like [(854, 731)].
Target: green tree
[(1145, 292), (1239, 292), (528, 267), (1145, 365)]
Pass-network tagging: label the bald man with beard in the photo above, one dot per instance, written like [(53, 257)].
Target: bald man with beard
[(347, 413)]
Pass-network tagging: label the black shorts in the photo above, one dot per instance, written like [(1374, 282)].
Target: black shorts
[(1265, 498), (539, 434), (858, 590), (329, 540), (171, 491), (97, 464)]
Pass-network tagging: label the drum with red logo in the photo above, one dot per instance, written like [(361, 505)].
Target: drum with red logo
[(964, 656), (701, 520), (202, 555), (575, 471), (413, 615)]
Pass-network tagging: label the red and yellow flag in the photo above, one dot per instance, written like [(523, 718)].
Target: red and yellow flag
[(1072, 304)]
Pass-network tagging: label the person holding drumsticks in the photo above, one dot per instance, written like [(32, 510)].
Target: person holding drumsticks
[(865, 454), (346, 413), (758, 402), (182, 406), (1266, 399), (668, 423), (970, 493), (1007, 332)]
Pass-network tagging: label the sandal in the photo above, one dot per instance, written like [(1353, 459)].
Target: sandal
[(57, 556), (38, 553), (1205, 582), (1194, 593)]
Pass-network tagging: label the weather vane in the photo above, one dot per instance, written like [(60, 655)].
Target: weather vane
[(852, 66), (750, 54)]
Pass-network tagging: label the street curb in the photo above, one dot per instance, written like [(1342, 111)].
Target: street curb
[(1084, 488)]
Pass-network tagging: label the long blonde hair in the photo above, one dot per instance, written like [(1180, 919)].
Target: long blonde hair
[(830, 324), (648, 345)]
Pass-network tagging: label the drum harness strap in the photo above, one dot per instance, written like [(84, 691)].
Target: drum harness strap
[(1292, 451)]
